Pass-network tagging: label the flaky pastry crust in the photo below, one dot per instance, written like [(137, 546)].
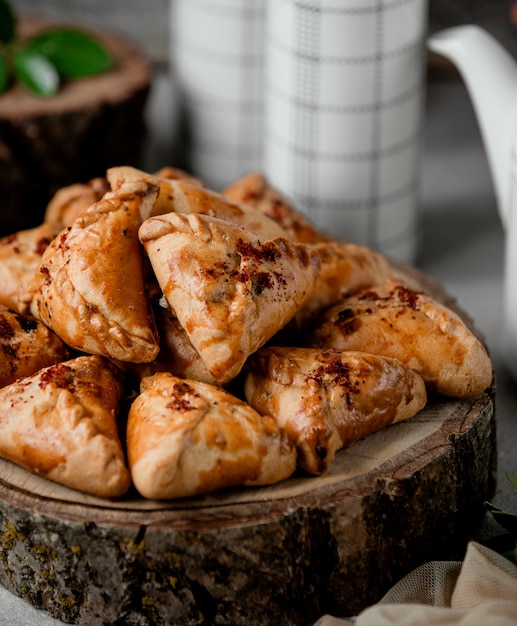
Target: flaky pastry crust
[(180, 193), (328, 399), (345, 269), (177, 355), (20, 256), (186, 438), (254, 190), (123, 174), (26, 345), (60, 423), (90, 287), (69, 202), (191, 199), (230, 292), (394, 320)]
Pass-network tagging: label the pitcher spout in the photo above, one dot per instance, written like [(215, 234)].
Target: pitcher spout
[(490, 75)]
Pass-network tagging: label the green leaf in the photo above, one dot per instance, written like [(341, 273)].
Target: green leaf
[(4, 76), (36, 73), (507, 520), (7, 23), (511, 555), (73, 53), (512, 478)]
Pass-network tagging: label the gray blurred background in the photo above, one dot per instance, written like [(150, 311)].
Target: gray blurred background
[(146, 22)]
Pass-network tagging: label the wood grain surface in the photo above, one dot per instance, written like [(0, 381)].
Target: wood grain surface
[(335, 543), (284, 554)]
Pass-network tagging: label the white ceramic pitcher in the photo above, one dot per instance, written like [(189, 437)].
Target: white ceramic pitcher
[(490, 75)]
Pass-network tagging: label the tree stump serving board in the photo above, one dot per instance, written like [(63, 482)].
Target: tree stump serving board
[(279, 555), (89, 125)]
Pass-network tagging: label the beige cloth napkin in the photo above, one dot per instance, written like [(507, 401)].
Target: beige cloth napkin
[(481, 590)]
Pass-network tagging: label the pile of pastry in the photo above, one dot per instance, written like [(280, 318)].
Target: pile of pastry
[(159, 334)]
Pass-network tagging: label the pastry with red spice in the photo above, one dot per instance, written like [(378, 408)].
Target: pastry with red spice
[(20, 256), (230, 291), (345, 269), (181, 193), (186, 438), (254, 190), (89, 288), (394, 320), (26, 345), (60, 423), (327, 399)]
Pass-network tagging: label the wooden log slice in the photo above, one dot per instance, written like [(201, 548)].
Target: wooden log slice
[(283, 554), (89, 125)]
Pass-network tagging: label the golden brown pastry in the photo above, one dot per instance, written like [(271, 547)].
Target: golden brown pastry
[(90, 289), (175, 173), (186, 438), (230, 292), (20, 256), (165, 198), (328, 399), (182, 194), (177, 355), (254, 190), (69, 202), (124, 174), (60, 423), (120, 175), (26, 346), (188, 198), (393, 320), (345, 269)]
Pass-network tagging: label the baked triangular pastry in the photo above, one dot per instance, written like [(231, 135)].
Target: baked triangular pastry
[(230, 291), (90, 287), (60, 423), (412, 326), (345, 269), (187, 198), (20, 256), (69, 202), (327, 399), (181, 194), (26, 346), (186, 438), (254, 190), (177, 355), (165, 177)]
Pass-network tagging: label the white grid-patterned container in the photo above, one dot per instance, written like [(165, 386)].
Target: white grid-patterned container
[(344, 103), (217, 49), (324, 96)]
